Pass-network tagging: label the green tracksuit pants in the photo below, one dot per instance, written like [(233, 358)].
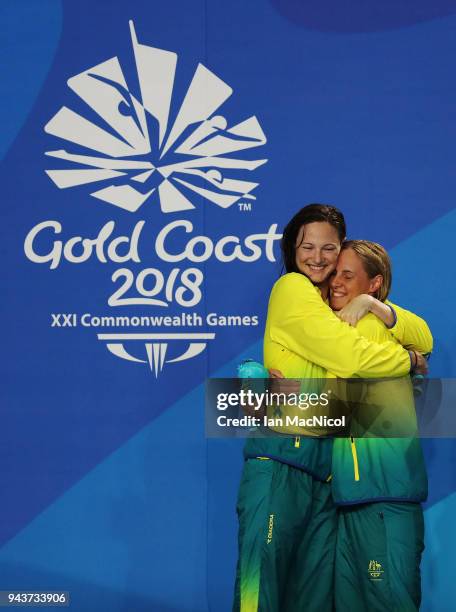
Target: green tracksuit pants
[(379, 547), (287, 531)]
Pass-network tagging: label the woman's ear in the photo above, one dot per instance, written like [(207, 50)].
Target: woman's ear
[(375, 284)]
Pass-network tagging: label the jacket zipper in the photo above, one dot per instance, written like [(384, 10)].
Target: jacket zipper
[(355, 458)]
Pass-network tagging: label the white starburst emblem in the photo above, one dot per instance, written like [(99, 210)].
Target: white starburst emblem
[(142, 153)]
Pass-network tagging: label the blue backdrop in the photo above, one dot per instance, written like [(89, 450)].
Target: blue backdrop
[(110, 489)]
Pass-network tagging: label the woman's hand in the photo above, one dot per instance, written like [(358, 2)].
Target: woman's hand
[(419, 363), (355, 310), (280, 384), (275, 374)]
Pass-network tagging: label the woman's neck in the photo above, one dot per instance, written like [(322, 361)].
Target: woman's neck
[(324, 289)]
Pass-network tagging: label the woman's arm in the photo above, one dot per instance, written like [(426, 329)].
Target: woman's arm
[(409, 329), (359, 306)]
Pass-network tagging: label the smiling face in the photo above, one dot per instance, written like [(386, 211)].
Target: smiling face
[(350, 279), (317, 248)]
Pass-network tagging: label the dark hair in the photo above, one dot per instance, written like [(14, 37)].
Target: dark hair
[(376, 262), (309, 214)]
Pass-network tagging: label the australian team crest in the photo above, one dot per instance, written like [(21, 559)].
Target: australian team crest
[(375, 570)]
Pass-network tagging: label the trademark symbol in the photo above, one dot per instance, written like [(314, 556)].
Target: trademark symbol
[(245, 206)]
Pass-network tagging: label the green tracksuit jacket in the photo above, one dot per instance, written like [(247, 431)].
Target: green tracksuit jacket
[(367, 469)]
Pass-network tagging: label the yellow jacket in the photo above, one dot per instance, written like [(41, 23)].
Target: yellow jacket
[(305, 339)]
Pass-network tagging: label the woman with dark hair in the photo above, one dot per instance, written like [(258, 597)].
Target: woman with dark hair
[(378, 482), (287, 519)]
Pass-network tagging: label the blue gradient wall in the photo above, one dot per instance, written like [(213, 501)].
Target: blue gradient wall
[(110, 489)]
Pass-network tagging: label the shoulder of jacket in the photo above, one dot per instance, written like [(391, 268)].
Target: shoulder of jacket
[(295, 281), (371, 327)]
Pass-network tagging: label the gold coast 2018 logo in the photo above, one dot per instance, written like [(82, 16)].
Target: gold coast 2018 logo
[(132, 150), (134, 156)]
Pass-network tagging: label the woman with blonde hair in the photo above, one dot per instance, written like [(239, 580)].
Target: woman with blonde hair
[(378, 482)]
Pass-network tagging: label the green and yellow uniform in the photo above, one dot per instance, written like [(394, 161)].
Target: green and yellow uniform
[(379, 484), (287, 519)]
